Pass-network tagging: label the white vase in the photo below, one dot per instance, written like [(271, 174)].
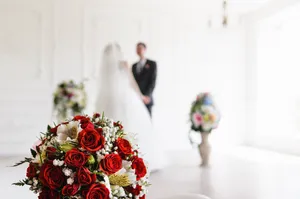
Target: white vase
[(205, 149)]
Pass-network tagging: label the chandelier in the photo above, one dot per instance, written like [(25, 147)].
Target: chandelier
[(225, 16)]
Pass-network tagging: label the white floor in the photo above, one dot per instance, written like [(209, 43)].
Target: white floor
[(242, 173)]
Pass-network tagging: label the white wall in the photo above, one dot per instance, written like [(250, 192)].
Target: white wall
[(44, 42), (271, 77)]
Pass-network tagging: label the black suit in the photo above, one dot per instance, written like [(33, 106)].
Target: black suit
[(146, 80)]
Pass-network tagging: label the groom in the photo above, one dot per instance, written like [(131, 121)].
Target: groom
[(144, 72)]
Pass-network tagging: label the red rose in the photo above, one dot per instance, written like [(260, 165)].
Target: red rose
[(124, 147), (49, 194), (134, 191), (70, 190), (79, 117), (31, 170), (98, 191), (85, 177), (140, 168), (51, 153), (75, 158), (91, 140), (51, 176), (111, 164), (85, 122), (143, 197)]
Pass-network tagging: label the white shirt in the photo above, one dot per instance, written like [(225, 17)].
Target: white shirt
[(141, 64)]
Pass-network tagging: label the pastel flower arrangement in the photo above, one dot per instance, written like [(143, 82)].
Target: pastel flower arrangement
[(86, 158), (204, 116), (69, 99)]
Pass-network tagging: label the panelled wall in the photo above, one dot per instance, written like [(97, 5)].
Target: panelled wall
[(44, 42)]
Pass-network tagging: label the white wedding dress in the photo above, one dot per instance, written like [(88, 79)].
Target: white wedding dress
[(119, 99)]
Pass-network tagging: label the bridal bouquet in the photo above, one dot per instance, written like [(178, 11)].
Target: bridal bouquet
[(69, 99), (86, 158), (204, 116)]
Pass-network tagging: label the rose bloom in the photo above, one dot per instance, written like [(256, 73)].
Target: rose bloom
[(140, 168), (75, 158), (70, 190), (91, 140), (111, 164), (31, 170), (197, 119), (124, 147), (85, 177), (51, 153), (49, 194), (51, 176), (98, 191), (84, 121)]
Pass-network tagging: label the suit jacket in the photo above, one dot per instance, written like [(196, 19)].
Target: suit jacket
[(146, 79)]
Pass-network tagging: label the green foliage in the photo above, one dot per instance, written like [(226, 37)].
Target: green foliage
[(23, 161)]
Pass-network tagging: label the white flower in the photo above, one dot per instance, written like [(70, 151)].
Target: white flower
[(70, 130), (106, 183), (61, 163), (126, 164), (35, 181), (131, 176), (121, 192), (70, 181), (55, 162), (58, 162), (67, 171), (106, 130)]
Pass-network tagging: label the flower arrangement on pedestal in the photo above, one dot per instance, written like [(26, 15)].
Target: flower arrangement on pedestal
[(69, 99), (86, 158), (204, 117)]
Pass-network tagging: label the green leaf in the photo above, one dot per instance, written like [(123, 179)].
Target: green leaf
[(33, 153), (20, 183), (22, 162)]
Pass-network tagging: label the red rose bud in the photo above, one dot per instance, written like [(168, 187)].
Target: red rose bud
[(85, 177), (54, 130), (140, 168), (70, 190), (96, 115), (75, 158), (98, 191), (51, 153), (31, 170), (134, 191), (111, 164)]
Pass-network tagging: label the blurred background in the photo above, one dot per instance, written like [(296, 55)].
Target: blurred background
[(249, 63)]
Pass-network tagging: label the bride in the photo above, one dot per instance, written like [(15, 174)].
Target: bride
[(119, 98)]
